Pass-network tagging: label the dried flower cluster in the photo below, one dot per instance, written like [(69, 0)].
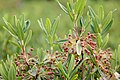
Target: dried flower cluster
[(28, 66), (88, 46), (25, 62)]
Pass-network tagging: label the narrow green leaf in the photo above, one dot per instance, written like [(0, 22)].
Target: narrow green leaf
[(10, 27), (65, 69), (28, 37), (118, 54), (95, 25), (67, 62), (55, 38), (62, 7), (15, 21), (62, 41), (91, 12), (5, 21), (81, 8), (38, 78), (82, 24), (19, 30), (108, 26), (71, 64), (22, 21), (12, 73), (73, 72), (71, 1), (70, 11), (80, 4), (5, 67), (115, 59), (3, 72), (87, 21), (48, 25), (99, 39), (40, 22), (92, 57), (27, 25), (107, 20), (4, 76), (55, 25), (101, 13), (79, 77), (8, 58), (57, 78), (40, 55), (10, 33), (50, 39), (88, 73), (92, 77), (15, 43), (105, 41), (62, 70), (70, 31), (75, 77), (93, 30)]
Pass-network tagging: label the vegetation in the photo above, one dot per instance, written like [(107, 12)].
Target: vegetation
[(81, 54)]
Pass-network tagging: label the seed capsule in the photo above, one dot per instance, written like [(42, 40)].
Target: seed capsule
[(31, 49), (17, 63), (30, 77), (50, 73), (29, 54), (56, 52)]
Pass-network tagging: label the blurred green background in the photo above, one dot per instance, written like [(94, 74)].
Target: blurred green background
[(36, 9)]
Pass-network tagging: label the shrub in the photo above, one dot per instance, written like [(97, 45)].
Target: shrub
[(81, 55)]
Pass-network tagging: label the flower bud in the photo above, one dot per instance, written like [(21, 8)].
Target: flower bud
[(31, 49), (50, 73), (30, 77)]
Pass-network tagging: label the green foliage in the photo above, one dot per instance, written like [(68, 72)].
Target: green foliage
[(118, 54), (71, 64), (72, 75), (40, 56), (74, 9), (8, 70), (60, 66), (18, 31), (101, 25), (50, 31), (81, 55), (116, 60)]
